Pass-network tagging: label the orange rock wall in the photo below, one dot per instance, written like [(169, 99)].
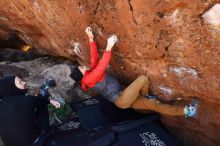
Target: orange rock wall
[(164, 39)]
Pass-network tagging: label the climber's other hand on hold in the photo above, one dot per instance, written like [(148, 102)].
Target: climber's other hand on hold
[(111, 42), (89, 33)]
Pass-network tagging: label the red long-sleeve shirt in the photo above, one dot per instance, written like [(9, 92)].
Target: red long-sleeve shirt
[(97, 68)]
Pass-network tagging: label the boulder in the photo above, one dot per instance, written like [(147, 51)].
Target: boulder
[(166, 40)]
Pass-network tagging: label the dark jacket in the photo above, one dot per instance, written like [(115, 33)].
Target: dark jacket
[(109, 88), (17, 124), (8, 88)]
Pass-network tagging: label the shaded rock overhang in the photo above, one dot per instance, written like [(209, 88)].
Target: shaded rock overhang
[(170, 41)]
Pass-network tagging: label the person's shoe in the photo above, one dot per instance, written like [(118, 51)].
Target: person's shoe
[(190, 110)]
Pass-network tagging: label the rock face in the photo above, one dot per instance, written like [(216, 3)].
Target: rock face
[(170, 41)]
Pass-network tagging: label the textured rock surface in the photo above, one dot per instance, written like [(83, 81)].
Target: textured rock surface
[(164, 39)]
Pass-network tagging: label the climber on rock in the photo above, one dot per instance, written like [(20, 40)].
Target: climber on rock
[(24, 118), (134, 96)]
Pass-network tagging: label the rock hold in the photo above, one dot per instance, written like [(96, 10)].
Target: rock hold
[(212, 16)]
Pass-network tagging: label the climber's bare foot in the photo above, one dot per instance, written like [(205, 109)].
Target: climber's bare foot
[(89, 33)]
